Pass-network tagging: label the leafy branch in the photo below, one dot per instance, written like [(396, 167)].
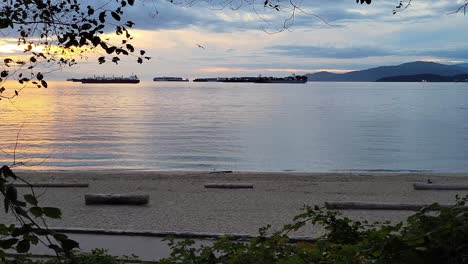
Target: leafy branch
[(55, 33), (31, 218)]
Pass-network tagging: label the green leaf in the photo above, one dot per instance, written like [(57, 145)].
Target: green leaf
[(115, 16), (52, 212), (90, 11), (86, 26), (30, 199), (19, 231), (69, 244), (8, 243), (33, 239), (60, 237), (130, 48), (11, 193), (7, 172), (131, 2), (23, 246), (4, 230), (36, 211), (96, 40), (4, 23), (102, 17), (110, 50)]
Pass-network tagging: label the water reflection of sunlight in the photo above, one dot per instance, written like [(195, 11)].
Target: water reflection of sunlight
[(28, 112), (69, 123)]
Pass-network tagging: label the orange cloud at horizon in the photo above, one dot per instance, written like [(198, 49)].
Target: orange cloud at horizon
[(289, 70)]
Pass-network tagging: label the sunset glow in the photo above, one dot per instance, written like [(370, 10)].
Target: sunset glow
[(234, 70), (200, 39)]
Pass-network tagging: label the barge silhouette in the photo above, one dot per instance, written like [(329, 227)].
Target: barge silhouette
[(103, 79), (259, 79)]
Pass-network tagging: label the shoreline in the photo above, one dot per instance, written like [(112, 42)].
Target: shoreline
[(28, 172), (180, 203)]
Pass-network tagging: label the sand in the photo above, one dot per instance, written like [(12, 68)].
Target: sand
[(179, 202)]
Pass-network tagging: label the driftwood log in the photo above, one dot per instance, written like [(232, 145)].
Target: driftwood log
[(116, 199), (376, 206), (229, 185), (431, 186), (53, 184), (214, 172)]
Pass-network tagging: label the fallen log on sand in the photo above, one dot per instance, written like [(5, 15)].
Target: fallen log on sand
[(376, 206), (214, 172), (431, 186), (229, 185), (116, 199), (53, 184)]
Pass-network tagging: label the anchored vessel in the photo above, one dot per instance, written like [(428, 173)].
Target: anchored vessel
[(290, 79), (73, 80), (259, 79), (103, 79), (169, 79), (208, 79)]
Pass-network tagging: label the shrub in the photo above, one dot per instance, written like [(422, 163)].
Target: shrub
[(97, 256), (432, 235)]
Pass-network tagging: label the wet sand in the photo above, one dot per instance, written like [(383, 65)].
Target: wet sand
[(179, 202)]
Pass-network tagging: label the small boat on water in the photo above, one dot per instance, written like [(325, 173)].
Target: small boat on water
[(169, 79), (103, 79)]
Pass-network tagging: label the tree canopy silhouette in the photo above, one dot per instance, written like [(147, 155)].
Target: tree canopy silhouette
[(53, 33)]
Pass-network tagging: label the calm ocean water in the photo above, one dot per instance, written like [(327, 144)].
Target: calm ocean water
[(253, 127)]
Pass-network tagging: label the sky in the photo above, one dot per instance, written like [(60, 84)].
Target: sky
[(245, 40)]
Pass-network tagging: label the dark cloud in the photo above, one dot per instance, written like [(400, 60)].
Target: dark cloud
[(161, 14), (366, 52), (328, 52), (453, 54), (155, 15)]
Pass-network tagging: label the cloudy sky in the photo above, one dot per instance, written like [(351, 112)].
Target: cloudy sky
[(245, 41)]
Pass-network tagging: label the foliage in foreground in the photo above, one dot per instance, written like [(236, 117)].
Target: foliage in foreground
[(432, 235), (31, 220), (97, 256)]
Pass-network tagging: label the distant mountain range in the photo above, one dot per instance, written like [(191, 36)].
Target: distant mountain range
[(425, 78), (405, 69)]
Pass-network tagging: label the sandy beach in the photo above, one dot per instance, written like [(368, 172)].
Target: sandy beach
[(179, 202)]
